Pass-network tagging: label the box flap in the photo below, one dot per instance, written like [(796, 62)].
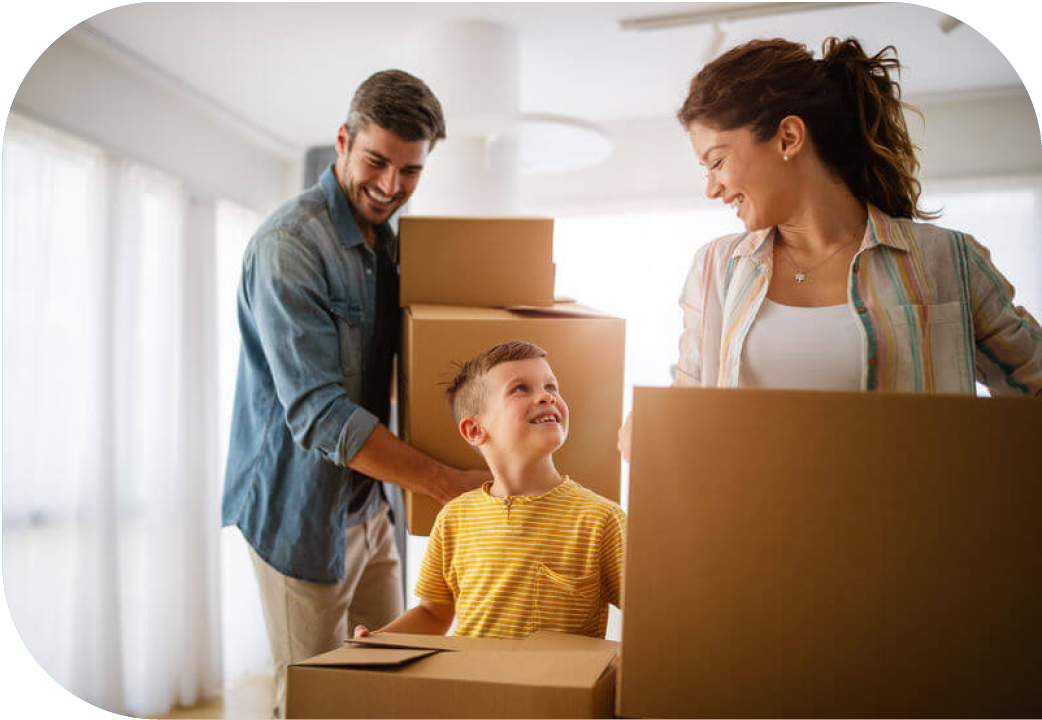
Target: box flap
[(436, 642), (560, 308), (356, 656), (536, 668), (551, 640), (566, 309)]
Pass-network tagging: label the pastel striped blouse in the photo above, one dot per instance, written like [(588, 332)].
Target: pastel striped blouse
[(934, 315), (514, 566)]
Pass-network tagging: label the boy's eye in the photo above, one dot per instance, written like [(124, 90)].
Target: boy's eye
[(519, 388)]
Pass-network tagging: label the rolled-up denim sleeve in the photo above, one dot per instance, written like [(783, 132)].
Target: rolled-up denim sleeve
[(285, 290)]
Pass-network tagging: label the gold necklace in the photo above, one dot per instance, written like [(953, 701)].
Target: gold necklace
[(801, 273)]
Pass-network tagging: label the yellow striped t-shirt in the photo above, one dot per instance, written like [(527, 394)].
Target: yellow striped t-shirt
[(516, 565)]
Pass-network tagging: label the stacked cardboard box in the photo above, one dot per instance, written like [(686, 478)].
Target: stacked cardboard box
[(801, 554), (470, 283)]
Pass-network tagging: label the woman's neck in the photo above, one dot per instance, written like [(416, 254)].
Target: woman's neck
[(828, 216)]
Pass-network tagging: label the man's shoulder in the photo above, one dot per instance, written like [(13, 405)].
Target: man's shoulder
[(303, 217)]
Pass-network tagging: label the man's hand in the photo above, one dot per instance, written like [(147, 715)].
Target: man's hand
[(458, 482), (624, 445), (384, 457), (361, 631)]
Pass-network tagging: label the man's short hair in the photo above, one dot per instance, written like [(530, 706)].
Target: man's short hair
[(399, 102), (467, 391)]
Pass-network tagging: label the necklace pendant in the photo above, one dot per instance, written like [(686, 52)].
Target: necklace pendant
[(800, 276)]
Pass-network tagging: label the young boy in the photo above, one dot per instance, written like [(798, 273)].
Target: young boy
[(530, 550)]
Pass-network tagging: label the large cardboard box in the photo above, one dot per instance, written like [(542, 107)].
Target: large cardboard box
[(547, 675), (476, 261), (802, 554), (585, 349)]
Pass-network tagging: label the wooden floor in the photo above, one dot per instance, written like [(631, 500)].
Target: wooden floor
[(251, 697)]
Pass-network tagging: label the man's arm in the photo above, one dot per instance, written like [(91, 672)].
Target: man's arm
[(284, 289), (427, 618), (384, 457)]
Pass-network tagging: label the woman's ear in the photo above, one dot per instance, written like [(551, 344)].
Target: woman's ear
[(791, 136), (472, 431)]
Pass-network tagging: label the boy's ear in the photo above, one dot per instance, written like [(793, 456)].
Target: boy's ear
[(472, 431)]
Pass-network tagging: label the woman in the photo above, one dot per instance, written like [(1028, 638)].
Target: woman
[(834, 286)]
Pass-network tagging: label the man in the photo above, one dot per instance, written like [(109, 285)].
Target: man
[(318, 314)]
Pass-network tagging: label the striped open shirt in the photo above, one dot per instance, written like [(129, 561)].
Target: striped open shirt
[(514, 566), (934, 315)]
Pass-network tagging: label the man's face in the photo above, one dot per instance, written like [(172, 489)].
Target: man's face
[(524, 413), (378, 171)]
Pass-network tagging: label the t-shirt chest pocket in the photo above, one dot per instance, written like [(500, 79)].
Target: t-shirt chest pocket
[(565, 602), (350, 327)]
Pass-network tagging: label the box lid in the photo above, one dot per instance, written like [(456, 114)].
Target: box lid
[(421, 311), (545, 659), (355, 656)]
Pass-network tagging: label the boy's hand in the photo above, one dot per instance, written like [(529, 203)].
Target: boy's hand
[(624, 445), (361, 631)]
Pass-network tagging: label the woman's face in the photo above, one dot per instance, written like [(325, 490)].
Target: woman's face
[(744, 173)]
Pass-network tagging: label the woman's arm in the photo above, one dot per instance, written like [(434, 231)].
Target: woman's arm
[(1008, 339)]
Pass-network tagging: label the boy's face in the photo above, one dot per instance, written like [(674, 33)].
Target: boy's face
[(524, 414)]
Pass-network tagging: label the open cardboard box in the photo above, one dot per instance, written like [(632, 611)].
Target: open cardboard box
[(808, 554), (476, 261), (586, 350), (393, 675)]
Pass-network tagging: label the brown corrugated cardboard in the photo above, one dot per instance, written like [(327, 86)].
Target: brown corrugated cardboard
[(585, 349), (407, 676), (476, 261), (801, 554)]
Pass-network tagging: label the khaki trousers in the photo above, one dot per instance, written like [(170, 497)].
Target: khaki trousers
[(307, 618)]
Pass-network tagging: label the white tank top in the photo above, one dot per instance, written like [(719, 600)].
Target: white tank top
[(808, 348)]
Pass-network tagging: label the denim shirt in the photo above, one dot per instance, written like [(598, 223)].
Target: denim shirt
[(306, 309)]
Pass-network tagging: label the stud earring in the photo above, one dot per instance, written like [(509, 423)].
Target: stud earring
[(785, 158)]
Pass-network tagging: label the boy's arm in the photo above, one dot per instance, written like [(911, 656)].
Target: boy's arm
[(427, 618)]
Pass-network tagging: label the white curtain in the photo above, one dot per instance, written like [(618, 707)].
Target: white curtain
[(111, 469)]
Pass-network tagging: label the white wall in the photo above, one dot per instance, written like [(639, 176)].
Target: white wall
[(653, 168), (104, 96)]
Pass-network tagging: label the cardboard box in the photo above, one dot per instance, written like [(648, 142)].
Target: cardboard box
[(482, 262), (547, 675), (585, 349), (802, 554)]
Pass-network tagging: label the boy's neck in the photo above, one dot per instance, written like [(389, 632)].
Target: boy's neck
[(519, 477)]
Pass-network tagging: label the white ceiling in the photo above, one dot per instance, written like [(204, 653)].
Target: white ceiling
[(289, 69)]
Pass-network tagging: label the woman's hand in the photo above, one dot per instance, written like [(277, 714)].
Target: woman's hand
[(361, 631), (624, 445)]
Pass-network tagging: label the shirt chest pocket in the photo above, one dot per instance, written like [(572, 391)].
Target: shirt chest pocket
[(567, 603), (351, 335), (930, 352)]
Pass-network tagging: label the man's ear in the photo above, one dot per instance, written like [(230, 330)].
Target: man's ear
[(343, 141), (472, 431)]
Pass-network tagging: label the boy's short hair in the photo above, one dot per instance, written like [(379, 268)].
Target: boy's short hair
[(466, 392)]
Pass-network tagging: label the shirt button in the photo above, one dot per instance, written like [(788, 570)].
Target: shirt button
[(873, 361), (368, 271)]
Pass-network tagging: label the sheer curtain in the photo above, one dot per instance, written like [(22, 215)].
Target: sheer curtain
[(111, 474)]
